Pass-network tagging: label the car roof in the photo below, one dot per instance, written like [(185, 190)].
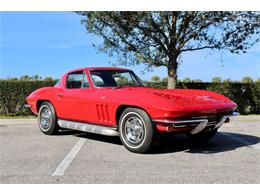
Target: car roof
[(97, 68)]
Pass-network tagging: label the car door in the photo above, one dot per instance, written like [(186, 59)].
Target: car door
[(74, 98)]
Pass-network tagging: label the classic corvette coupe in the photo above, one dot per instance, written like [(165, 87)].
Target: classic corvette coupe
[(114, 101)]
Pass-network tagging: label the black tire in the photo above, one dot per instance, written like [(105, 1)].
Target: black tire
[(139, 118), (47, 125), (203, 136)]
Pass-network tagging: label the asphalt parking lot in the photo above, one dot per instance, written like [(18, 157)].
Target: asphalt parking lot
[(28, 156)]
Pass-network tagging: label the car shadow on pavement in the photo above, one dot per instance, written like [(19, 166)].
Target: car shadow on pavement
[(64, 132), (91, 136), (101, 138), (222, 142)]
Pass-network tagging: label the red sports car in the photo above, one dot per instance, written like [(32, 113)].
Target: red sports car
[(114, 101)]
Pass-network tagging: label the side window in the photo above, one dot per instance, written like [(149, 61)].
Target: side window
[(74, 80), (98, 81)]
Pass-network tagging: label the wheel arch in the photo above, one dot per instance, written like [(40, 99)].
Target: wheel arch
[(120, 109), (40, 101)]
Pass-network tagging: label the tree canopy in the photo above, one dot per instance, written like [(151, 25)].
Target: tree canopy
[(155, 78), (216, 80), (160, 38), (186, 80), (247, 79)]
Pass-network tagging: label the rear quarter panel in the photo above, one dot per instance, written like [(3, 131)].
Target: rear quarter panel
[(42, 94)]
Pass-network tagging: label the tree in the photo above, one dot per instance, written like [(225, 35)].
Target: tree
[(186, 80), (165, 79), (36, 77), (257, 80), (155, 78), (12, 79), (197, 81), (25, 78), (160, 38), (48, 79), (216, 80), (247, 79), (227, 81)]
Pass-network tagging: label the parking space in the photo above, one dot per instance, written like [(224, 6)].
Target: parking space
[(28, 156)]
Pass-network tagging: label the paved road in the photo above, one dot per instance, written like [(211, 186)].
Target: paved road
[(28, 156)]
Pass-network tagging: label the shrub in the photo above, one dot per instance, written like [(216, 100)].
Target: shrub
[(13, 94), (246, 95)]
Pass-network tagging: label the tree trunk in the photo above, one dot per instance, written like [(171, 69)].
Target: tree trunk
[(172, 71), (172, 77)]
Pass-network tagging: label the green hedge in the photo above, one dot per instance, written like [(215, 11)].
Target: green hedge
[(13, 94)]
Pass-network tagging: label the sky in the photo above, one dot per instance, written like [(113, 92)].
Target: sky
[(52, 43)]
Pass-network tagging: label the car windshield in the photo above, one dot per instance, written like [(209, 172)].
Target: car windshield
[(115, 78)]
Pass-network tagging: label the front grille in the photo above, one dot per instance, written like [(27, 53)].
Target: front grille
[(196, 121), (212, 120)]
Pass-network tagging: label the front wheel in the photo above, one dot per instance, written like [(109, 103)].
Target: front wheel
[(47, 119), (136, 130)]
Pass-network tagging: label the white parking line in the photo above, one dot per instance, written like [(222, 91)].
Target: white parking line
[(69, 158), (250, 144)]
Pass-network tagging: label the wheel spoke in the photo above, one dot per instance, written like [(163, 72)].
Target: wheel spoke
[(128, 124), (45, 117), (133, 129)]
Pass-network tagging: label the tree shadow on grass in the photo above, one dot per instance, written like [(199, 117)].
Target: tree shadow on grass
[(222, 142)]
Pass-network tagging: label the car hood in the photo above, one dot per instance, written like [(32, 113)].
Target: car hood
[(186, 98)]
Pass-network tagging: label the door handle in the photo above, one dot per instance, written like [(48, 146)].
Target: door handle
[(60, 95)]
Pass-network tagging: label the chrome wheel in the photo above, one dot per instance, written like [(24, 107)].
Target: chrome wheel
[(45, 117), (47, 120), (134, 130)]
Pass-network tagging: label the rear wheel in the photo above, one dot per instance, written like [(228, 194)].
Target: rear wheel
[(203, 136), (47, 119), (136, 130)]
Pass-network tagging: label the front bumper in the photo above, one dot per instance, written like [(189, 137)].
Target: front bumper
[(27, 106), (195, 124), (31, 107)]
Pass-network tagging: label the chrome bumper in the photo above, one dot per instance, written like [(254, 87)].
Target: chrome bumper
[(198, 124), (27, 106)]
